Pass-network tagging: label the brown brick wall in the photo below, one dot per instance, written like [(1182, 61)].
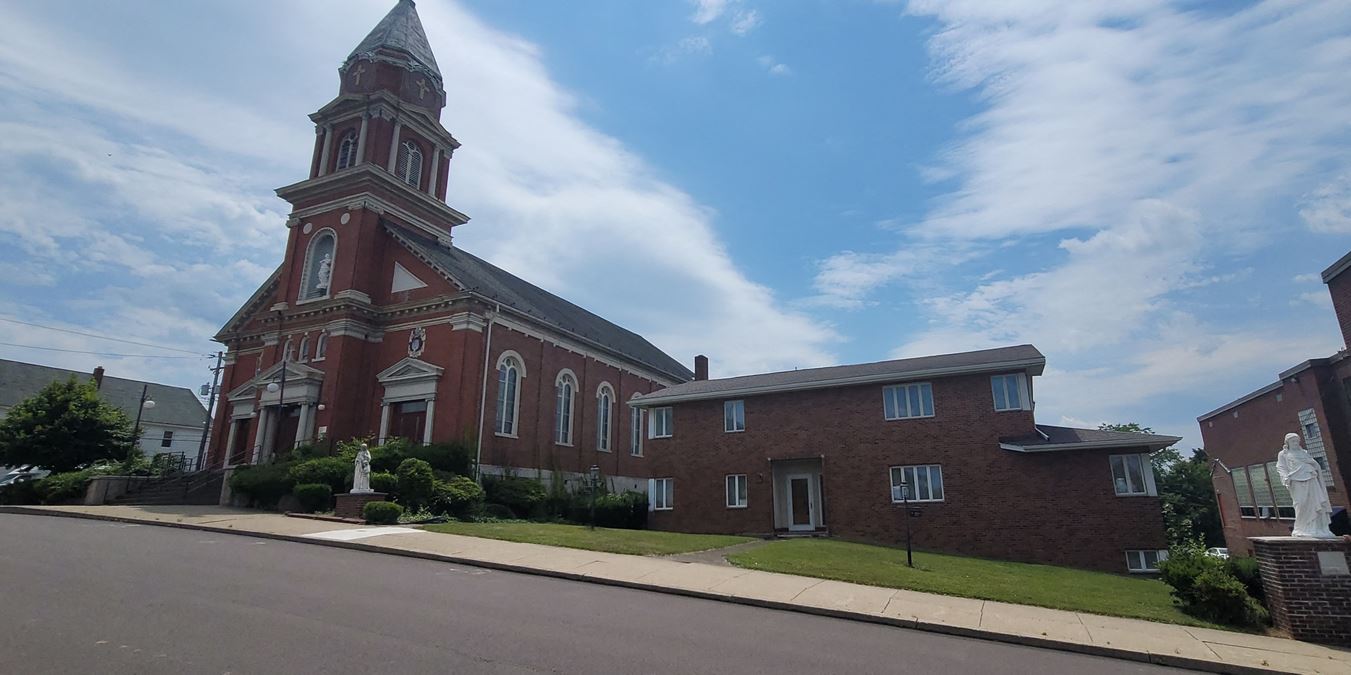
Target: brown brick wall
[(1056, 507), (1303, 600), (1340, 290)]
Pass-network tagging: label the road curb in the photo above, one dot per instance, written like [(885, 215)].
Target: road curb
[(1171, 660)]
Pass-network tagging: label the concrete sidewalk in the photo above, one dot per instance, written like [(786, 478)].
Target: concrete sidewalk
[(1165, 644)]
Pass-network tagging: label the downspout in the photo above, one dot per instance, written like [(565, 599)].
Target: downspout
[(483, 393)]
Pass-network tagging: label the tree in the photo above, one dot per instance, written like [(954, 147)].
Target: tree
[(1189, 507), (63, 427)]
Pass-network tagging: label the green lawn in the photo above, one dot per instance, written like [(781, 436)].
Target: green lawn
[(635, 542), (1042, 585)]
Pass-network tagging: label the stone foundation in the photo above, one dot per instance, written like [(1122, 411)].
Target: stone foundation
[(348, 505), (1308, 586)]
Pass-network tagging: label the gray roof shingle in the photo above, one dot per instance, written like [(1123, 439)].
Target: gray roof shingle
[(1020, 356), (401, 29), (493, 283), (173, 405), (1057, 438)]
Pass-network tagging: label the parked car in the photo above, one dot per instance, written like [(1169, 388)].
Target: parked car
[(1218, 552), (23, 473)]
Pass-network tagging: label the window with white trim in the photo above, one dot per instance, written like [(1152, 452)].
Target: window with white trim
[(1247, 507), (408, 164), (659, 423), (304, 348), (1146, 560), (347, 150), (320, 346), (320, 256), (605, 403), (1261, 491), (1010, 392), (1132, 475), (736, 491), (661, 494), (167, 441), (923, 481), (565, 388), (288, 352), (733, 416), (904, 401), (508, 395), (636, 432)]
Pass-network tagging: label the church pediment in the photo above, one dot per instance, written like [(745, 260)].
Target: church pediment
[(409, 369), (295, 372)]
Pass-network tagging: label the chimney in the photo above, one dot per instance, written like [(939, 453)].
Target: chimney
[(701, 367), (98, 377)]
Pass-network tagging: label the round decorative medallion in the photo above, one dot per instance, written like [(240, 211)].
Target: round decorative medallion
[(417, 339), (345, 217), (309, 227)]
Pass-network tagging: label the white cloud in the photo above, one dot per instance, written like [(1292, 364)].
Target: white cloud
[(773, 67), (708, 11), (694, 45), (746, 21), (1317, 298), (1327, 209), (1309, 278)]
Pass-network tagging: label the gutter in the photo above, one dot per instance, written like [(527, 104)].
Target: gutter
[(1091, 445)]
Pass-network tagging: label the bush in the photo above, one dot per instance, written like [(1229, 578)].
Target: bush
[(60, 487), (383, 481), (331, 471), (21, 493), (627, 510), (459, 497), (389, 456), (313, 496), (498, 512), (456, 458), (1245, 569), (416, 483), (263, 485), (524, 496), (381, 513), (1204, 588)]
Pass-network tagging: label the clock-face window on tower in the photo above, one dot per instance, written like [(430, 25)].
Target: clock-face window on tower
[(319, 258), (347, 150), (408, 166)]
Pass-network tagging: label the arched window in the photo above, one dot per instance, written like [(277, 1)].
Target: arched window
[(347, 150), (605, 401), (635, 429), (509, 374), (318, 271), (408, 165), (566, 387), (304, 348), (320, 346), (288, 351)]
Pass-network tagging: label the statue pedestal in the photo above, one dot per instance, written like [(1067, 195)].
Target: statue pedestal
[(1308, 586), (349, 505)]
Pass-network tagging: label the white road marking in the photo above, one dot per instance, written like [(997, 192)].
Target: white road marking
[(361, 533)]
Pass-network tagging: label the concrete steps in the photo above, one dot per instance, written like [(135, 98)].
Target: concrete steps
[(202, 487)]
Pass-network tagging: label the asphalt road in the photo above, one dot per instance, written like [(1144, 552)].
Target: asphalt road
[(100, 597)]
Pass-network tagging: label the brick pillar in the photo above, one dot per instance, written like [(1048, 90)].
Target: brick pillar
[(1308, 586)]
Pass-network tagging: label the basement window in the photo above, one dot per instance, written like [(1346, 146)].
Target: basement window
[(1147, 560)]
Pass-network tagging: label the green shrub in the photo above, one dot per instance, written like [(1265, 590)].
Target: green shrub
[(1183, 566), (308, 451), (498, 512), (263, 485), (416, 483), (459, 497), (389, 456), (1246, 571), (524, 496), (627, 510), (456, 458), (383, 481), (21, 493), (61, 487), (331, 471), (1204, 588), (313, 496), (381, 513)]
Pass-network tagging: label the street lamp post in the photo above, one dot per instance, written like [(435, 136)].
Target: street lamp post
[(146, 403), (595, 481), (905, 509)]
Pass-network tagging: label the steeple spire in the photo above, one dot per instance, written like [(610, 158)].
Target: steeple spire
[(399, 36)]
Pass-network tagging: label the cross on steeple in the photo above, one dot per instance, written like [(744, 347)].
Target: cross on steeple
[(356, 74)]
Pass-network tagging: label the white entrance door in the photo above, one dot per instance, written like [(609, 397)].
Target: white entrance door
[(801, 505)]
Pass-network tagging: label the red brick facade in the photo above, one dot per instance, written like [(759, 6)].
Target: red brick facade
[(1308, 597), (1053, 507)]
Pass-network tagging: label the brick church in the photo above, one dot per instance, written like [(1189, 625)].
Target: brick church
[(376, 325)]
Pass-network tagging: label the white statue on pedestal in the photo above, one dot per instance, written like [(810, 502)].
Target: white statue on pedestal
[(361, 478), (1302, 475), (325, 273)]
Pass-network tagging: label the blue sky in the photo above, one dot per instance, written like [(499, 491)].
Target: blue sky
[(1147, 194)]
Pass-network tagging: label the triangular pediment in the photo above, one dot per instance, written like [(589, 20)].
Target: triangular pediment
[(294, 372), (404, 280), (409, 369), (246, 391)]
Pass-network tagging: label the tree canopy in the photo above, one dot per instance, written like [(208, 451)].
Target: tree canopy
[(63, 427)]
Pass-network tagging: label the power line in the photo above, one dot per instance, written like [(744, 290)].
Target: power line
[(95, 335), (131, 356)]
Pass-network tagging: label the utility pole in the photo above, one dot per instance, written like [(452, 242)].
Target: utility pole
[(210, 407)]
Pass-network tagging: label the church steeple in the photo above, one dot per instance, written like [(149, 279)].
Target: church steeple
[(396, 57)]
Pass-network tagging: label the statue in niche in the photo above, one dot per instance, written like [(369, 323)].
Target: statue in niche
[(324, 274), (1302, 475), (361, 477)]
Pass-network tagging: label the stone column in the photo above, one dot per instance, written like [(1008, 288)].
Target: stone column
[(384, 423), (229, 444), (328, 146), (427, 428), (431, 184), (361, 139), (303, 425), (259, 434), (394, 145)]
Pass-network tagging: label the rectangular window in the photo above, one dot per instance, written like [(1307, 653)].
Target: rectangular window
[(734, 416), (736, 491), (1145, 560), (659, 423), (923, 482), (1311, 430), (636, 432), (660, 494), (1010, 392), (1132, 475), (1261, 491), (902, 401), (168, 440), (1246, 507), (1285, 506)]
